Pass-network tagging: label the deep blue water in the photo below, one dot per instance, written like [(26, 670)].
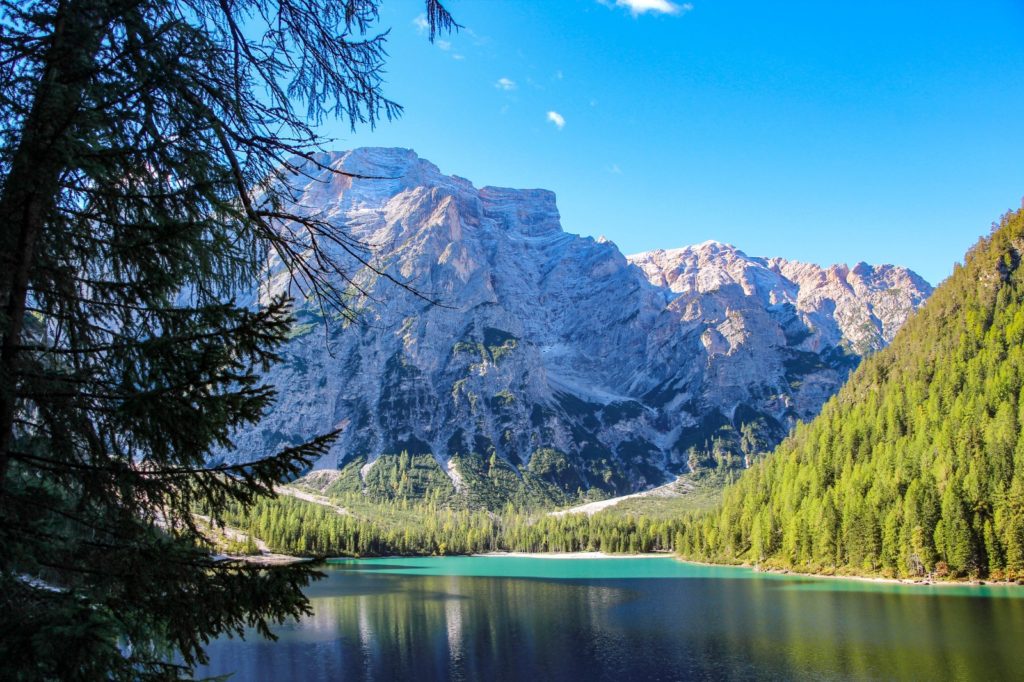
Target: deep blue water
[(485, 618)]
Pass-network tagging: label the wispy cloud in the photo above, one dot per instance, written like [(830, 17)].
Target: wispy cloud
[(614, 169), (505, 84), (446, 46), (638, 7), (476, 38), (557, 119), (423, 26)]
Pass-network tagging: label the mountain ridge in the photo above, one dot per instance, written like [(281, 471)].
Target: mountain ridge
[(548, 341)]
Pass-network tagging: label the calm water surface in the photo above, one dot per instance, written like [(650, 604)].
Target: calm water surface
[(510, 618)]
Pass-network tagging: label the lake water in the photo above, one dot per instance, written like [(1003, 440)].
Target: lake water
[(537, 619)]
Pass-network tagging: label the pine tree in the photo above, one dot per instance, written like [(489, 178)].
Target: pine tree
[(917, 465), (147, 150)]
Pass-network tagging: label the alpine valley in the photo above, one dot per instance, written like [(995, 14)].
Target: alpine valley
[(551, 356)]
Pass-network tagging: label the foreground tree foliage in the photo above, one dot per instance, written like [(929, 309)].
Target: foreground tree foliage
[(917, 466), (147, 148)]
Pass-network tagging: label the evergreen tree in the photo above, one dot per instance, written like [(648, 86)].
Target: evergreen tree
[(147, 149), (917, 465)]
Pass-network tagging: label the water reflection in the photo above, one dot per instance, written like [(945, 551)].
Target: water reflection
[(377, 626)]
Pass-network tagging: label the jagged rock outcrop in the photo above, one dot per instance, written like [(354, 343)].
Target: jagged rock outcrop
[(623, 371), (861, 307)]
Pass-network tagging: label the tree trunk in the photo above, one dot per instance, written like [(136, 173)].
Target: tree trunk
[(31, 190)]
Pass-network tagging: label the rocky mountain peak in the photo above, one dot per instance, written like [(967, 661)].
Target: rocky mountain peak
[(622, 372)]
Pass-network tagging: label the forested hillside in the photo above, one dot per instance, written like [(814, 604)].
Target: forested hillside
[(917, 465), (490, 483)]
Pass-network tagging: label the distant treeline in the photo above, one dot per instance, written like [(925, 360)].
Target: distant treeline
[(297, 527)]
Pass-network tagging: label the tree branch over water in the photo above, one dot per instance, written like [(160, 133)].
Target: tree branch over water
[(149, 155)]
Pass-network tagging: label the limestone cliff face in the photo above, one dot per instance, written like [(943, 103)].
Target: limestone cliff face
[(861, 307), (635, 368)]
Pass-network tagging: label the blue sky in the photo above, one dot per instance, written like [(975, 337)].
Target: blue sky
[(889, 132)]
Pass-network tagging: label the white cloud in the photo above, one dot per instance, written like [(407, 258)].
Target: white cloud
[(557, 119), (505, 84), (638, 7), (421, 23), (614, 169), (458, 57), (444, 45)]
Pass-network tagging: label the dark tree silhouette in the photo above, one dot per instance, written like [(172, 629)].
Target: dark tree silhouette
[(147, 153)]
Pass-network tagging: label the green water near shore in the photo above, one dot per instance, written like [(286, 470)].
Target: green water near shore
[(627, 567), (519, 618)]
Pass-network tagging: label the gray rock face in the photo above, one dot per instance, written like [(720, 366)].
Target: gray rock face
[(634, 368), (861, 307)]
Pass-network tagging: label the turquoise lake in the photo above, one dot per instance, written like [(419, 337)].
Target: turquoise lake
[(517, 618)]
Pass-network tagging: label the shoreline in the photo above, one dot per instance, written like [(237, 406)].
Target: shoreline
[(572, 555), (577, 556), (271, 559), (906, 582), (268, 560)]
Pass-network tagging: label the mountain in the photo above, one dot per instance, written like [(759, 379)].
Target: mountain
[(552, 354), (917, 466), (860, 308)]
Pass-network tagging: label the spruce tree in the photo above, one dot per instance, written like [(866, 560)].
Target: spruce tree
[(916, 466), (147, 149)]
